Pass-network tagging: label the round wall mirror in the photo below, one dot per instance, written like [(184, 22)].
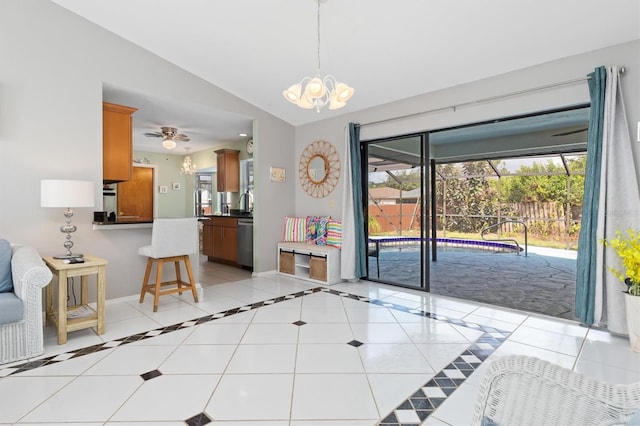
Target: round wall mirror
[(319, 169)]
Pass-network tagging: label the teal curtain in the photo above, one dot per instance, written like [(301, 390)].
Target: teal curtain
[(358, 215), (587, 242)]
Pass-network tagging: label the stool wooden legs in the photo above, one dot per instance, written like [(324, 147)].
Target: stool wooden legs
[(155, 288)]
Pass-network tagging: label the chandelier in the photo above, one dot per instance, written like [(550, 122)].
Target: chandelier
[(188, 168), (316, 92)]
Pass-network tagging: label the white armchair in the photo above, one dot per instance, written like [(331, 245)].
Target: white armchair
[(521, 390), (22, 338)]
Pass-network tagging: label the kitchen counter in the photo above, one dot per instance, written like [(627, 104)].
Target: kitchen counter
[(234, 215), (107, 226)]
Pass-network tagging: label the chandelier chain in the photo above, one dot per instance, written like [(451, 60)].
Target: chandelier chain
[(318, 28)]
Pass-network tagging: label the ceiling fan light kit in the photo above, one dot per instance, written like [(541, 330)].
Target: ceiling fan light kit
[(169, 137), (169, 143), (316, 92)]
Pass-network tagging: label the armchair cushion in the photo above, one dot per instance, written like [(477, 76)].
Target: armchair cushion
[(22, 338), (6, 283), (11, 308)]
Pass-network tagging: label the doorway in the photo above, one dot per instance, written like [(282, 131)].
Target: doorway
[(397, 181)]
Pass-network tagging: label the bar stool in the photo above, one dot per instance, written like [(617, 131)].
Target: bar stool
[(172, 240)]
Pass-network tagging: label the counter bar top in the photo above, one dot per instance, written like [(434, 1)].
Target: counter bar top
[(108, 226), (238, 216)]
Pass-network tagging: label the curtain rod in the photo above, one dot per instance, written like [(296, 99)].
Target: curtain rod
[(621, 70)]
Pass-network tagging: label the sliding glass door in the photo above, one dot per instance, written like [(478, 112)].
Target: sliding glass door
[(487, 211), (396, 199)]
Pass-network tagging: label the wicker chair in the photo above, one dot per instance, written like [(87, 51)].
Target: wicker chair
[(23, 338), (521, 390)]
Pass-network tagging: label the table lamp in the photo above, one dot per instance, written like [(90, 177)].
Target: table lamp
[(66, 194)]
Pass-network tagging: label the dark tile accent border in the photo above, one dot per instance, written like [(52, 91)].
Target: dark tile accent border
[(199, 419), (151, 375), (443, 384)]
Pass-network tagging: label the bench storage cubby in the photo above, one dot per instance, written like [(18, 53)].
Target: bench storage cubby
[(320, 264)]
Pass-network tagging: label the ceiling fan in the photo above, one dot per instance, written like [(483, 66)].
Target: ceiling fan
[(169, 136)]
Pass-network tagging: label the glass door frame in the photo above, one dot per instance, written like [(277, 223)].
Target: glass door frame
[(425, 204)]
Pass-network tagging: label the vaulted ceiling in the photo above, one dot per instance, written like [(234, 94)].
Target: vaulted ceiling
[(387, 50)]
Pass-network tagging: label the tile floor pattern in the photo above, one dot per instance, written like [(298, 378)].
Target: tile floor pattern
[(277, 351)]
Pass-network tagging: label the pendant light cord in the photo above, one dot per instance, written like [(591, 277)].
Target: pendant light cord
[(318, 70)]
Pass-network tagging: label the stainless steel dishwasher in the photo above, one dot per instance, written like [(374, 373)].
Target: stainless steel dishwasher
[(245, 242)]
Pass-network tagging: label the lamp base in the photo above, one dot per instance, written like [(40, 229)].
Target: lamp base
[(69, 256)]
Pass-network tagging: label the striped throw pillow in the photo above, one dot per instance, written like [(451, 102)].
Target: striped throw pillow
[(295, 229), (334, 233)]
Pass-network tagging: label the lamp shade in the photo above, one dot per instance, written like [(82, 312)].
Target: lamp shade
[(66, 193)]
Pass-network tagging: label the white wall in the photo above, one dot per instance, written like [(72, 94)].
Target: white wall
[(54, 64), (563, 70)]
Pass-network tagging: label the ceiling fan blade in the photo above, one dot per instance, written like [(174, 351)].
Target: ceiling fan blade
[(182, 138), (154, 135)]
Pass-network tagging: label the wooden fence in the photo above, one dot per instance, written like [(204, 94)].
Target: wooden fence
[(542, 219)]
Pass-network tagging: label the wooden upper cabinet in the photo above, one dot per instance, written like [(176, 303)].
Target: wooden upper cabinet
[(135, 196), (117, 142), (228, 170)]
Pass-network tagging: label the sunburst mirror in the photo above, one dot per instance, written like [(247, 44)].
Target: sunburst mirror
[(319, 169)]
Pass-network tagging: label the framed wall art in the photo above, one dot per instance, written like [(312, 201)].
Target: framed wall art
[(278, 174)]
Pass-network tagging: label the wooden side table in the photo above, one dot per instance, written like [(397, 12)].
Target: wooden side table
[(94, 317)]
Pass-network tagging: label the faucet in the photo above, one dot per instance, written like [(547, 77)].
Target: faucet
[(246, 201)]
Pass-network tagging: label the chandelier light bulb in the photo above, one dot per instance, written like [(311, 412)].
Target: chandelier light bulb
[(292, 94), (343, 92), (334, 103), (305, 102), (315, 88)]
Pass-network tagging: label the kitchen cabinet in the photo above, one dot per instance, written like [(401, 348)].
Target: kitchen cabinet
[(220, 239), (228, 170), (135, 197), (117, 142)]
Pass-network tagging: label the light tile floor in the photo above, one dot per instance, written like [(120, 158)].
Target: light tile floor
[(278, 351)]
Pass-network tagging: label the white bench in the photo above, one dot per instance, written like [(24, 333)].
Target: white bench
[(320, 264)]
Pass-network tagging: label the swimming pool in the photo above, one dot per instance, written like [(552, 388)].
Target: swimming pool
[(445, 244)]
